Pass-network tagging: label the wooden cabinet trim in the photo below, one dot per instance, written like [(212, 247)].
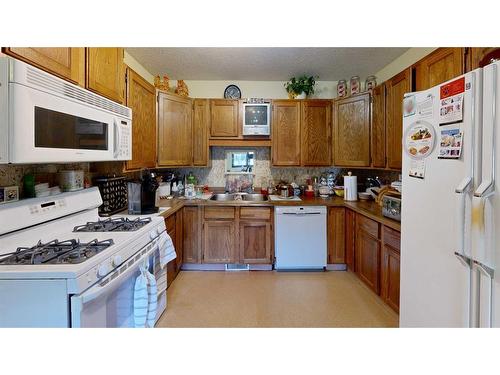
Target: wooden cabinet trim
[(219, 213), (255, 213)]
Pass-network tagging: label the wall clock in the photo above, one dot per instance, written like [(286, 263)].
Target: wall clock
[(232, 92)]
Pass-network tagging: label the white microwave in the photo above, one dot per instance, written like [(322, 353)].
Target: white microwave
[(44, 119), (257, 118)]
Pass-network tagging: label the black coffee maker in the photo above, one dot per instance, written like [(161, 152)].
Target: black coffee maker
[(142, 194)]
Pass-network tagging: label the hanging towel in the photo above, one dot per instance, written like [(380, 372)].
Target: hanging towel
[(152, 300), (166, 248), (160, 274), (140, 300)]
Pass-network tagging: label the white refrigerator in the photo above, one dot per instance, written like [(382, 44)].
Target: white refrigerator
[(451, 206)]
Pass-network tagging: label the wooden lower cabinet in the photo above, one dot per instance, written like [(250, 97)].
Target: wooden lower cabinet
[(191, 234), (174, 230), (390, 267), (336, 235), (219, 242), (255, 242), (367, 253), (350, 239)]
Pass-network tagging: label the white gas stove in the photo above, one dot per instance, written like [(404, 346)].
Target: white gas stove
[(63, 265)]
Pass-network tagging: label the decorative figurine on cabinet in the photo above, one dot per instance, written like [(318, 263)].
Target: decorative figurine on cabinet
[(162, 84), (182, 88)]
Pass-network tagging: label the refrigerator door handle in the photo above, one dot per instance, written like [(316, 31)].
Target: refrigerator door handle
[(462, 191)]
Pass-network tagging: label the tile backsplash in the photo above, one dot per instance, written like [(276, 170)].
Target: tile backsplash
[(214, 176)]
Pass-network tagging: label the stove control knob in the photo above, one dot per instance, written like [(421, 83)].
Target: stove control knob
[(102, 270), (153, 234), (117, 260)]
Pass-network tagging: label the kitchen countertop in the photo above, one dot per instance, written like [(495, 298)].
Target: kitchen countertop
[(366, 208)]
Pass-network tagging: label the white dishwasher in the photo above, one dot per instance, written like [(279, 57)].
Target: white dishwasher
[(300, 238)]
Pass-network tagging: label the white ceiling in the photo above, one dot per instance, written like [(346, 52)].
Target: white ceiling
[(264, 64)]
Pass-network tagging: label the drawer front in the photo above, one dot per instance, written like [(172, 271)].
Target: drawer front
[(217, 213), (170, 224), (368, 225), (392, 238), (259, 213)]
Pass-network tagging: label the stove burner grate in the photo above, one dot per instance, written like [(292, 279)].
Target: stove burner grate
[(56, 252), (113, 225)]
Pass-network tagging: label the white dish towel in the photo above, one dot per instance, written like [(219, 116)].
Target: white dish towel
[(145, 298), (165, 253)]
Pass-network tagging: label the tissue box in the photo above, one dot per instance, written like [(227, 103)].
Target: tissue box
[(9, 194)]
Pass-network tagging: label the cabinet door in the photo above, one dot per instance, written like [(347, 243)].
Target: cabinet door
[(352, 131), (201, 123), (105, 72), (174, 131), (218, 242), (350, 237), (255, 242), (378, 127), (141, 99), (438, 67), (286, 133), (390, 267), (65, 62), (396, 88), (191, 233), (316, 132), (224, 118), (479, 57), (368, 258), (336, 235), (179, 239)]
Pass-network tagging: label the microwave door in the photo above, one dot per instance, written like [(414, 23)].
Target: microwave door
[(47, 128)]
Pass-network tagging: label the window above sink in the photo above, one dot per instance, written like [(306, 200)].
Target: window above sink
[(240, 162)]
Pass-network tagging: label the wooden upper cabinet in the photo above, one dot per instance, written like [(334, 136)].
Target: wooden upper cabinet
[(439, 66), (65, 62), (174, 130), (336, 235), (286, 133), (396, 87), (479, 57), (105, 72), (352, 131), (201, 124), (316, 132), (141, 99), (224, 118), (378, 127)]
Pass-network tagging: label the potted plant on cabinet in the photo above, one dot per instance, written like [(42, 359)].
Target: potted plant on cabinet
[(301, 87)]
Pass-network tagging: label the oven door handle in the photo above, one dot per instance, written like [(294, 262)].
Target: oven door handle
[(97, 290)]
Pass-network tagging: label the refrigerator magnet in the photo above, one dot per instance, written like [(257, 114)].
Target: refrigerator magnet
[(451, 96), (409, 105), (450, 144), (425, 108), (417, 169), (419, 140)]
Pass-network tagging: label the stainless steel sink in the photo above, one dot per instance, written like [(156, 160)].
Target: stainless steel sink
[(223, 197), (254, 197)]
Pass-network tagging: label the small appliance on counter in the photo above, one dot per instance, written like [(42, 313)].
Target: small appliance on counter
[(142, 194), (71, 180), (391, 207), (114, 194)]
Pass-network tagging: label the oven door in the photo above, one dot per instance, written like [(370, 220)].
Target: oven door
[(111, 303), (47, 128)]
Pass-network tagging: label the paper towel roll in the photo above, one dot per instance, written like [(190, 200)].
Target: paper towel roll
[(350, 187)]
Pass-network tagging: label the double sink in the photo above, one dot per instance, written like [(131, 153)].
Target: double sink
[(239, 197)]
